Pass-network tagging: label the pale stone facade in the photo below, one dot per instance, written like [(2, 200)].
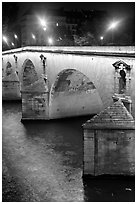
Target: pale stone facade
[(95, 63)]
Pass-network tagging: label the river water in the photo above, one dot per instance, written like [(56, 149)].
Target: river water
[(43, 161)]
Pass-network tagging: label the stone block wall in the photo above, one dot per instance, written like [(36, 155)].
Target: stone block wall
[(109, 152), (11, 90), (11, 86), (109, 142), (89, 152), (35, 105)]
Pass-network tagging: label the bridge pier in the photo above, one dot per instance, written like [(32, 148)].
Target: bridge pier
[(11, 87), (109, 142), (35, 101)]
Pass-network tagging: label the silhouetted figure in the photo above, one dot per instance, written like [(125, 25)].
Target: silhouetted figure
[(122, 82)]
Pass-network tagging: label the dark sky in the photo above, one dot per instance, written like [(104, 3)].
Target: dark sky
[(117, 9)]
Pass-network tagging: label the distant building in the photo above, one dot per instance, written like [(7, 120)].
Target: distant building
[(61, 26), (65, 28)]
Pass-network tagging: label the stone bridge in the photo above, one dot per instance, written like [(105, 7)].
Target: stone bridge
[(57, 82)]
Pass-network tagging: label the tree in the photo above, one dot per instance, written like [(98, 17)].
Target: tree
[(91, 28)]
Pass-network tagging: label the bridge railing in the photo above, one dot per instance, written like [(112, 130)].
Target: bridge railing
[(128, 51)]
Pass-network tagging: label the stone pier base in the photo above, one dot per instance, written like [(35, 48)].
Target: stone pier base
[(11, 87), (35, 101), (109, 142)]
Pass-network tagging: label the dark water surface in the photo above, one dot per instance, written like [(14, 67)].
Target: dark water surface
[(43, 161)]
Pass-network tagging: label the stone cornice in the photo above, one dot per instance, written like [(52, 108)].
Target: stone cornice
[(122, 51)]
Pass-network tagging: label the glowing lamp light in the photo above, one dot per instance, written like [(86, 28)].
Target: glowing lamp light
[(44, 28), (50, 40), (12, 44), (57, 24), (43, 23), (5, 39), (33, 36), (101, 37), (15, 36), (113, 25)]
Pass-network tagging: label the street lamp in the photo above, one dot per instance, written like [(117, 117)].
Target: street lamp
[(33, 36), (112, 26), (101, 39), (12, 44), (16, 40), (44, 27), (15, 36), (43, 22), (50, 41), (5, 39)]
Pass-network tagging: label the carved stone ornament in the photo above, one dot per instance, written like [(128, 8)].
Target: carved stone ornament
[(120, 65)]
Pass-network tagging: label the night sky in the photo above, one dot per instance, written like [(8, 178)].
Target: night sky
[(116, 9), (124, 12)]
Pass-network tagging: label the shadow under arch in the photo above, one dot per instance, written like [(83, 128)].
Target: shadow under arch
[(73, 94), (10, 84), (29, 74)]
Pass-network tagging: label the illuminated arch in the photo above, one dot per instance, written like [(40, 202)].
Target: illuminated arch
[(73, 94)]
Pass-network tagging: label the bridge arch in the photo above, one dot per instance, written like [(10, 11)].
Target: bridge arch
[(73, 94), (29, 74)]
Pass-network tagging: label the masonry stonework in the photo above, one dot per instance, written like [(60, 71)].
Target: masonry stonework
[(96, 63), (109, 140), (35, 101), (10, 84), (73, 94)]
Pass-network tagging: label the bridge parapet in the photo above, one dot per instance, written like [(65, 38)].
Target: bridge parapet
[(86, 50)]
